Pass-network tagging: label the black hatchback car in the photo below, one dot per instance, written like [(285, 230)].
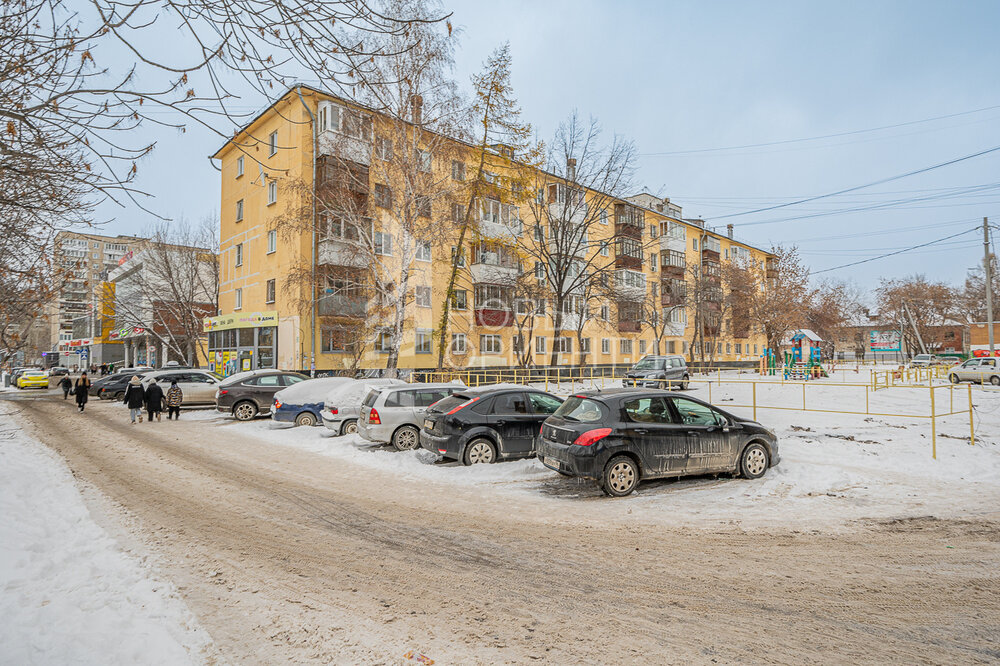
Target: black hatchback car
[(483, 425), (620, 436), (248, 394)]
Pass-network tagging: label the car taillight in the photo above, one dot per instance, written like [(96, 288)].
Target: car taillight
[(464, 404), (333, 410), (277, 404), (591, 436), (373, 417), (223, 391)]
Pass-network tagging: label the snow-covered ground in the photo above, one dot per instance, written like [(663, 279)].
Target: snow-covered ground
[(834, 468), (68, 593)]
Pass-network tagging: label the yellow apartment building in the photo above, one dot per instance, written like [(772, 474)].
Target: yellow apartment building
[(283, 300)]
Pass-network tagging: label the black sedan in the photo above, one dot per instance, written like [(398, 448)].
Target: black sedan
[(113, 387), (620, 436), (483, 425)]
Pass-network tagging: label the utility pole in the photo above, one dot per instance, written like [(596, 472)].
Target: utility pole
[(906, 309), (987, 266)]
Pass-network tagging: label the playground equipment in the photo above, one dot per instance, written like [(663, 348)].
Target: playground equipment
[(805, 359)]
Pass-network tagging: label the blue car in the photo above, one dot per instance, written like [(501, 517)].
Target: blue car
[(302, 403)]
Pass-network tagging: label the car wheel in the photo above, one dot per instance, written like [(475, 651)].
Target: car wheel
[(305, 419), (995, 380), (953, 379), (479, 451), (406, 438), (120, 395), (621, 476), (349, 427), (753, 462), (245, 411), (685, 382)]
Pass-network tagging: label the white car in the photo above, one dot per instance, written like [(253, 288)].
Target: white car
[(198, 386), (342, 406)]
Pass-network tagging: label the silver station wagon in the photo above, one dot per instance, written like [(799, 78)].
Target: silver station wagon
[(395, 413)]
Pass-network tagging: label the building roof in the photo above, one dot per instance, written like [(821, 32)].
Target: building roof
[(808, 334)]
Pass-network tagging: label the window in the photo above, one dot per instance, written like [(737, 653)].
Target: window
[(647, 410), (383, 196), (458, 343), (543, 404), (461, 257), (457, 212), (652, 261), (739, 348), (457, 170), (239, 254), (423, 345), (490, 344), (625, 346), (272, 192), (383, 243), (539, 233), (540, 306), (272, 241), (269, 291), (383, 342), (540, 345), (695, 413), (460, 299), (239, 166), (383, 148), (642, 346), (272, 143), (490, 210), (652, 231), (422, 296), (511, 403), (605, 345), (605, 312), (585, 345), (604, 248), (423, 206), (604, 216), (563, 345), (423, 158), (238, 299), (518, 343), (423, 251), (492, 296), (335, 340), (755, 349), (729, 348), (353, 123), (694, 244), (239, 210)]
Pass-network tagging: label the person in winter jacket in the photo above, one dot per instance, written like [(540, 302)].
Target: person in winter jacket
[(65, 384), (154, 401), (174, 399), (135, 396), (81, 390)]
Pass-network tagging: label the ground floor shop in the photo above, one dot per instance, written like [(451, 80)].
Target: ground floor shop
[(240, 342)]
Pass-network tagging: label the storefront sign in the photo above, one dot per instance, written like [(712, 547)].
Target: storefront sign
[(241, 320), (126, 332), (79, 342), (888, 341)]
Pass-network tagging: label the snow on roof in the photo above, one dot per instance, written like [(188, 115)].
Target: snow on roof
[(808, 334)]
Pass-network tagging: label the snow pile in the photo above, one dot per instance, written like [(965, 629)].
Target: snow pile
[(67, 593), (311, 390)]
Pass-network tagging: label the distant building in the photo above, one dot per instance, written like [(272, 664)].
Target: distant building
[(979, 336)]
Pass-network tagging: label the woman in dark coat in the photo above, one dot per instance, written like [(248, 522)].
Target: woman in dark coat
[(65, 384), (81, 390), (135, 396), (154, 401)]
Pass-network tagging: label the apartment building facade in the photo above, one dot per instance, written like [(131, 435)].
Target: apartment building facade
[(78, 323), (286, 300)]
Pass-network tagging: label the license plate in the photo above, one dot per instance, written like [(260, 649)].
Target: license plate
[(429, 424), (552, 462)]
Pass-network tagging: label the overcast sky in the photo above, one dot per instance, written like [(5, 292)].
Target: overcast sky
[(689, 78)]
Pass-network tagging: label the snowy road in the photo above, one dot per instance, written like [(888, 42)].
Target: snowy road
[(289, 555)]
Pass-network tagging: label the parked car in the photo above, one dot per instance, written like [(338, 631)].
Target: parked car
[(658, 372), (395, 413), (302, 403), (198, 385), (33, 379), (249, 394), (924, 361), (112, 387), (485, 424), (17, 372), (621, 436), (342, 405), (977, 371), (58, 371)]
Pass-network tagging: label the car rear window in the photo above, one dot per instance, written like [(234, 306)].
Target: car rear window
[(451, 402), (578, 408), (371, 398)]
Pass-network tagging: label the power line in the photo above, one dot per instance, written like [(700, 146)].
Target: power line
[(890, 254), (866, 185), (823, 136)]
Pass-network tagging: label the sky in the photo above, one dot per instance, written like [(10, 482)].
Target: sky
[(694, 83)]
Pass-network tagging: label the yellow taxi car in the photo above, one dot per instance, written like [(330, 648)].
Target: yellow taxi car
[(33, 379)]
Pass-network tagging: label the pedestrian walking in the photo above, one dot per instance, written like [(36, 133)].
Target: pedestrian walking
[(81, 390), (65, 384), (135, 396), (154, 401), (174, 399)]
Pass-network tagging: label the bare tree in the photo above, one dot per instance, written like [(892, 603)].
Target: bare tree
[(173, 287), (773, 294), (572, 240), (930, 304)]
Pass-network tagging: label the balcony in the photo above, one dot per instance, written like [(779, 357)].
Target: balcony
[(493, 317), (335, 252), (673, 293), (771, 269), (575, 213), (493, 273), (629, 221), (673, 264), (671, 244), (711, 270), (340, 305), (711, 248), (628, 326), (630, 285), (710, 329)]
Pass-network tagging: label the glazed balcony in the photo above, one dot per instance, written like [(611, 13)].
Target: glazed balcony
[(673, 264), (711, 249), (628, 326)]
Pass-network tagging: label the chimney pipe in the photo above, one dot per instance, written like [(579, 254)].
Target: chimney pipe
[(729, 230), (571, 168), (416, 109)]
